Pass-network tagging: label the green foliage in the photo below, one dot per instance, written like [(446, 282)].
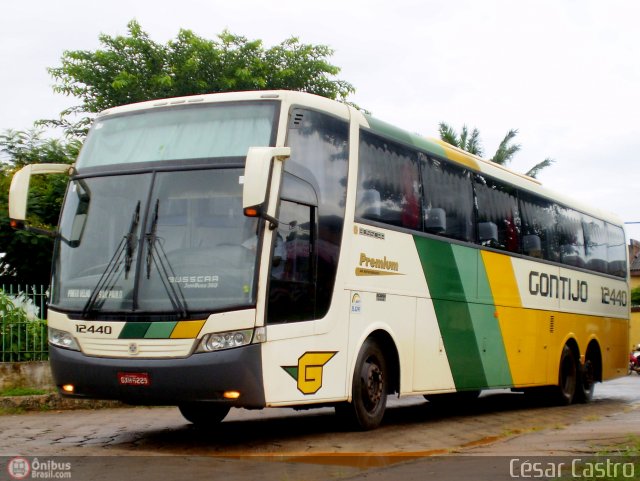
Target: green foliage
[(22, 391), (134, 68), (635, 297), (23, 337), (506, 150), (504, 154), (466, 142), (27, 258)]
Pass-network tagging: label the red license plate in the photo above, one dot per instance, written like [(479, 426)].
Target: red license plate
[(134, 379)]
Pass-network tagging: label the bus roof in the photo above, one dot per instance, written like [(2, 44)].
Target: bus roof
[(429, 145)]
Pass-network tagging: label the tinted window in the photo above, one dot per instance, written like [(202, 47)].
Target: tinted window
[(616, 251), (595, 244), (570, 237), (448, 200), (388, 187), (318, 165), (291, 291), (194, 132), (538, 228), (498, 215)]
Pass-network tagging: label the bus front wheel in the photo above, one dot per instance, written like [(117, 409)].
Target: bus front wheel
[(204, 413), (369, 389)]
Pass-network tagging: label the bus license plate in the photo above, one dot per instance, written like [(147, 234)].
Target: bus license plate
[(134, 379)]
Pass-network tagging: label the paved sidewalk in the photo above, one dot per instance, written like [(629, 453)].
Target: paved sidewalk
[(589, 436)]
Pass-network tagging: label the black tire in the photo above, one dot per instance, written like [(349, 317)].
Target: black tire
[(586, 381), (567, 377), (204, 413), (368, 390)]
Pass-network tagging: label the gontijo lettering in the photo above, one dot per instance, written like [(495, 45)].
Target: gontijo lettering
[(558, 287)]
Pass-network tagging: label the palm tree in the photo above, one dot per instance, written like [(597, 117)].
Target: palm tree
[(471, 143), (468, 143)]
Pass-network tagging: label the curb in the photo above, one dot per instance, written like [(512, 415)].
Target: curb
[(52, 402)]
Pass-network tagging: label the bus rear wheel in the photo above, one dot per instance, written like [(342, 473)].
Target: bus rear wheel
[(567, 377), (204, 413), (369, 389), (587, 381)]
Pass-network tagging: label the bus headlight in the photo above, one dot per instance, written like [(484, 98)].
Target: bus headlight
[(218, 341), (63, 339)]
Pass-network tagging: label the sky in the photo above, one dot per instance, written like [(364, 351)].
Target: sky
[(565, 73)]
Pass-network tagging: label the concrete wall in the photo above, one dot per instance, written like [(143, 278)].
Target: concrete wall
[(35, 375)]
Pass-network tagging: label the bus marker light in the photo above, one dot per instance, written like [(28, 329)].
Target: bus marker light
[(68, 388), (251, 212), (231, 394)]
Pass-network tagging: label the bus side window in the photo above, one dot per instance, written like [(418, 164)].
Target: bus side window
[(448, 200), (570, 237), (389, 190), (498, 215), (616, 251), (595, 244), (538, 228)]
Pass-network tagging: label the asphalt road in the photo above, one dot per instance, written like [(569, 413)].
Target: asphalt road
[(415, 439)]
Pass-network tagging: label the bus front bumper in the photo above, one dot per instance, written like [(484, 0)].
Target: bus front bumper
[(199, 377)]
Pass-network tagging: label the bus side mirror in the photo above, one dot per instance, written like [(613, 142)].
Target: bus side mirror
[(19, 192), (257, 173)]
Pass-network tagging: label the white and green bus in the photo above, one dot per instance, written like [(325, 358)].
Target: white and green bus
[(272, 249)]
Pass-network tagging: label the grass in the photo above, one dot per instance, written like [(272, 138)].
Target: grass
[(622, 459), (629, 447), (22, 391)]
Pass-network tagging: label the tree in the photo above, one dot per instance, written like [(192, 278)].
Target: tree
[(27, 255), (504, 154), (466, 142), (134, 68), (635, 297)]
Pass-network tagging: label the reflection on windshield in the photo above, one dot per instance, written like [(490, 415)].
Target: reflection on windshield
[(188, 256), (194, 132)]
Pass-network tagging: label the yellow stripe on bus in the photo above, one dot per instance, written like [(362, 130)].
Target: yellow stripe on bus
[(187, 329), (458, 157), (517, 325)]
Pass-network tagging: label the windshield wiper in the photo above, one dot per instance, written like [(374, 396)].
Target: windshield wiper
[(157, 256), (108, 279), (131, 241)]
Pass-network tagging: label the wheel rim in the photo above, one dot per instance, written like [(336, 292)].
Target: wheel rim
[(373, 385)]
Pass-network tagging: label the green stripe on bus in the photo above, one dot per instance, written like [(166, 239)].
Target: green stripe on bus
[(405, 137), (160, 330), (444, 278), (482, 311), (134, 330)]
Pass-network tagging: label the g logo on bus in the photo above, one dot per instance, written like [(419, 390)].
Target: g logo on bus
[(308, 373), (133, 348)]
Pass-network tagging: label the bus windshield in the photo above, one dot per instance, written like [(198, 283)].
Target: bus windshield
[(203, 131), (170, 241)]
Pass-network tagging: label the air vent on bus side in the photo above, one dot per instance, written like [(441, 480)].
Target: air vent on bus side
[(297, 116)]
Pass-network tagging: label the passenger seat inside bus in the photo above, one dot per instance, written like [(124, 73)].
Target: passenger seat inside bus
[(435, 221)]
